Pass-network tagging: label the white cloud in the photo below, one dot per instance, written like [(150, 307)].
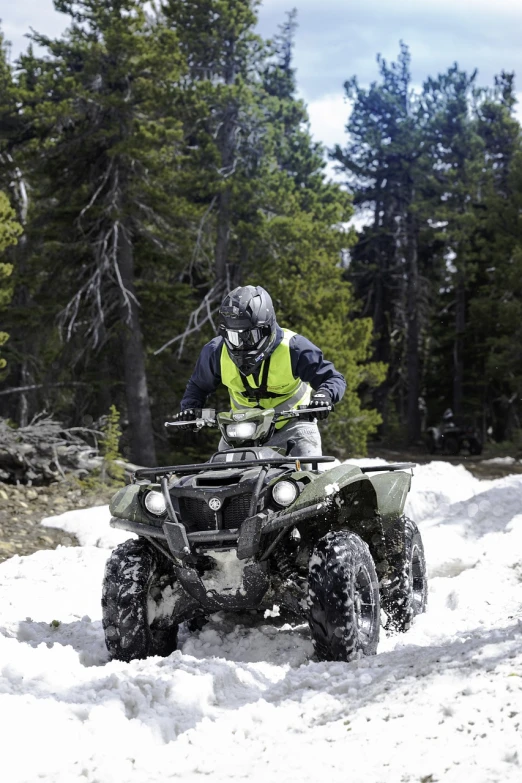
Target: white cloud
[(328, 117), (338, 38), (20, 16)]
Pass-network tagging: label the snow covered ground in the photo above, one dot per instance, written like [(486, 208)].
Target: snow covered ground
[(244, 701)]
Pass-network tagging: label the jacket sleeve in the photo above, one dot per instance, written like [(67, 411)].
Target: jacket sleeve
[(206, 376), (309, 364)]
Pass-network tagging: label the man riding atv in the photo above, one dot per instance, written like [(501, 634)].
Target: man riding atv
[(252, 527), (264, 366)]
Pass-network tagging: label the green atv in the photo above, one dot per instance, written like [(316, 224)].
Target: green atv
[(253, 528)]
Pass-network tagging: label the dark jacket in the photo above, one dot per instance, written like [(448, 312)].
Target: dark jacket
[(308, 364)]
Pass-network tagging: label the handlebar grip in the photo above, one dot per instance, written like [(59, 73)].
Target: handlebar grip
[(207, 418)]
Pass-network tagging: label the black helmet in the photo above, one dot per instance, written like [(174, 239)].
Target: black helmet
[(247, 323)]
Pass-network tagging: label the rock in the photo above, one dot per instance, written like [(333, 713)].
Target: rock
[(47, 540)]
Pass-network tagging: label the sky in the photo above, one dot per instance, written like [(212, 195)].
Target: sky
[(246, 700), (337, 39)]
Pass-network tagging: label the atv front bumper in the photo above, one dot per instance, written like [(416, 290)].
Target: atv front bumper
[(247, 539)]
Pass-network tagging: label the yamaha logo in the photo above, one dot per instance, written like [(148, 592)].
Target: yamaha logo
[(215, 504), (238, 416)]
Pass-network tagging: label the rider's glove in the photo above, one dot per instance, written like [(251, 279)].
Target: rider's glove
[(320, 400), (188, 415)]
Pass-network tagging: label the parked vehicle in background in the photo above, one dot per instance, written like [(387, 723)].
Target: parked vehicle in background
[(451, 437)]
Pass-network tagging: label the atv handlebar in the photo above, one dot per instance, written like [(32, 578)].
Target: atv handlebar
[(207, 419), (208, 416)]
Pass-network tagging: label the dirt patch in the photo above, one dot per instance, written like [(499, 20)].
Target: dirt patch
[(22, 509)]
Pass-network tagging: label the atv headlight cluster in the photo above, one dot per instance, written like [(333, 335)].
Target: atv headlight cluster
[(155, 503), (284, 492), (241, 430)]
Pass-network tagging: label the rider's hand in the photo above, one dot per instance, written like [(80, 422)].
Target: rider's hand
[(188, 415), (320, 400)]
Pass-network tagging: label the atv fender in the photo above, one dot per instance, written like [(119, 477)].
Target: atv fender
[(125, 504), (391, 490), (347, 500), (338, 482)]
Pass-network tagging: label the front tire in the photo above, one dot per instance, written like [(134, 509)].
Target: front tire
[(404, 592), (136, 576), (343, 597)]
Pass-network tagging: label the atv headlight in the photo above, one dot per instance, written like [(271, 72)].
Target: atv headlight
[(284, 492), (155, 503), (241, 429)]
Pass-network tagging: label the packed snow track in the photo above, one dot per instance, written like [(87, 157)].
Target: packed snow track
[(244, 698)]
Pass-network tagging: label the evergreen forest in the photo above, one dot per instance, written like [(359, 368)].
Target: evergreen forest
[(156, 155)]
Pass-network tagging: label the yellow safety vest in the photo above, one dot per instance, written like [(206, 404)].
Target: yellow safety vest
[(277, 387)]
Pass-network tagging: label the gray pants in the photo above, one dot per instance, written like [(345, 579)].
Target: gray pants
[(304, 433)]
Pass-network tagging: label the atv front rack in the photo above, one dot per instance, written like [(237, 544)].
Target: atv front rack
[(179, 470), (153, 473), (396, 466)]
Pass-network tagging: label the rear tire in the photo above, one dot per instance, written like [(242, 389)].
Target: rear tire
[(451, 445), (431, 443), (343, 597), (475, 447), (136, 575), (404, 593)]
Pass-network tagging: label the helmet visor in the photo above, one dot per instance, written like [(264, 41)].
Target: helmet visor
[(245, 338)]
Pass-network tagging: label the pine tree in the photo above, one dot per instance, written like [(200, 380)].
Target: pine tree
[(110, 448), (383, 165), (10, 230), (106, 161), (456, 152), (495, 310), (23, 322), (296, 245), (224, 56)]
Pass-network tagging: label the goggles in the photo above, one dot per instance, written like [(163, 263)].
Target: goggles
[(246, 338)]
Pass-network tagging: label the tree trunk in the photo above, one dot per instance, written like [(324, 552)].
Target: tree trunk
[(142, 451), (21, 298), (381, 321), (227, 145), (458, 346), (223, 235), (412, 337)]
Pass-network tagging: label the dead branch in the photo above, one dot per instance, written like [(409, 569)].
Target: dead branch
[(34, 386), (44, 451), (198, 246), (199, 317)]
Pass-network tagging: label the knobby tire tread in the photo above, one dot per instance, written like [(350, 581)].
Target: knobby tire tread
[(129, 573), (332, 617)]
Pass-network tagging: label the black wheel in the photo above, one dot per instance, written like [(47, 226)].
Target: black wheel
[(343, 597), (475, 447), (451, 445), (136, 576), (404, 592), (431, 445)]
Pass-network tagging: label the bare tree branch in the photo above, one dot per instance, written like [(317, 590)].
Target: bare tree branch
[(198, 247), (198, 318), (33, 386)]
